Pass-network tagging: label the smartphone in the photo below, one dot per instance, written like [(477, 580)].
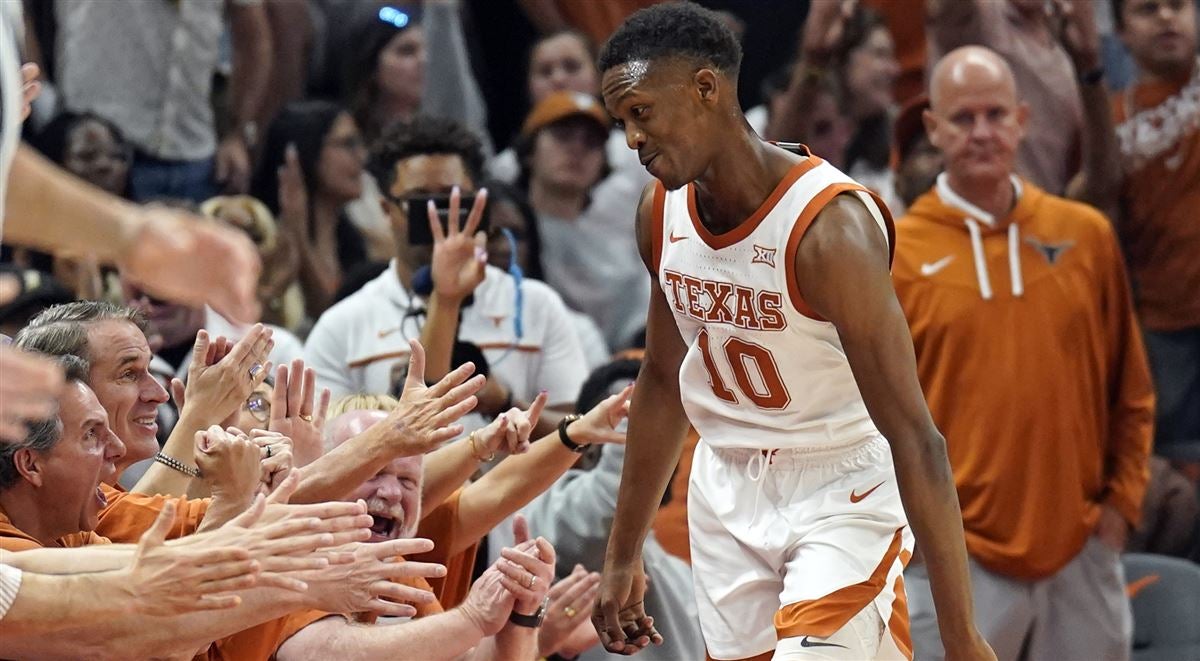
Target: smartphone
[(418, 217)]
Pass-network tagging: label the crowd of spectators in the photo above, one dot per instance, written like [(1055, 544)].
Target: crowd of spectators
[(439, 315)]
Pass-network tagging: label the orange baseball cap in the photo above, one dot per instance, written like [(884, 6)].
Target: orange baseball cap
[(561, 105)]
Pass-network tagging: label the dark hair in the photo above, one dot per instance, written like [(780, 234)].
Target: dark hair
[(589, 48), (1118, 7), (500, 192), (62, 329), (424, 135), (51, 141), (872, 140), (359, 82), (304, 124), (43, 434), (673, 29)]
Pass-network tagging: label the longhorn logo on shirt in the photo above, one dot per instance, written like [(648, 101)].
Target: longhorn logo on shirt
[(1051, 251), (763, 256)]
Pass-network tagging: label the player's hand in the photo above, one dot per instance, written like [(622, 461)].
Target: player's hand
[(170, 254), (459, 253), (28, 391), (599, 425), (620, 612)]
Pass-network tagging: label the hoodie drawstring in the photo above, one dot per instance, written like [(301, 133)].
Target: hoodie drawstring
[(1014, 259), (756, 470)]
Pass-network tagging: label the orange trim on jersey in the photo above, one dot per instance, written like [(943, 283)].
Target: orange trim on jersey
[(898, 622), (805, 220), (822, 617), (747, 226), (656, 224)]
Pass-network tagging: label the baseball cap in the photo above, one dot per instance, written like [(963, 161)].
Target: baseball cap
[(561, 105)]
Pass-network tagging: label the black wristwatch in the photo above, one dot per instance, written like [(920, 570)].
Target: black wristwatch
[(565, 438), (531, 621)]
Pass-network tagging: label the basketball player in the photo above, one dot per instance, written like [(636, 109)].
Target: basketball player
[(773, 328)]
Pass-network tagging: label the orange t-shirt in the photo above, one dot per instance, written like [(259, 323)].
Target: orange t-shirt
[(13, 539), (128, 515), (1044, 398), (441, 526), (1160, 229)]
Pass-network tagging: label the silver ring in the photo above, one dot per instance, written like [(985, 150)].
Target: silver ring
[(532, 582), (268, 452), (255, 369)]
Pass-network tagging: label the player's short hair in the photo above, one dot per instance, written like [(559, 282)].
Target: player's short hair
[(424, 135), (43, 434), (673, 29)]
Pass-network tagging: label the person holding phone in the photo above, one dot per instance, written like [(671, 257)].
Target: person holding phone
[(521, 327)]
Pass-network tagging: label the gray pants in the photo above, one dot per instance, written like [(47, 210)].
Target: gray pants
[(1079, 614)]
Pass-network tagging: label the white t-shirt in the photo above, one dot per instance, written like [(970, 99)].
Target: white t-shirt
[(11, 26), (360, 345)]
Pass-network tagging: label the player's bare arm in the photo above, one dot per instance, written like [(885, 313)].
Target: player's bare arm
[(657, 427), (842, 273)]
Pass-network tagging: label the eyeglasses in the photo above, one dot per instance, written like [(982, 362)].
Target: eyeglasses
[(259, 406)]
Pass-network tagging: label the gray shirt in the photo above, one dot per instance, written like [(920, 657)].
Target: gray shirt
[(147, 67), (576, 515)]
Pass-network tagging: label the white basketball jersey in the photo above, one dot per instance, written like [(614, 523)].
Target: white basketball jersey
[(762, 370)]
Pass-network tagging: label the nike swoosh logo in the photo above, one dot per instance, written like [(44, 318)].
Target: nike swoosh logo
[(855, 497), (929, 269), (805, 642), (676, 239)]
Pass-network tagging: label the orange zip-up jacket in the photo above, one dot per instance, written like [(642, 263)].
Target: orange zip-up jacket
[(1033, 367)]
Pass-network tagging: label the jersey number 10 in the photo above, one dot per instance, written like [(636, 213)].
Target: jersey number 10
[(769, 393)]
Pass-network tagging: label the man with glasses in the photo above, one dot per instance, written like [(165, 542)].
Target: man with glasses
[(523, 331)]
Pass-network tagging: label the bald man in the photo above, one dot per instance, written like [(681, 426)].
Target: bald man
[(1032, 366)]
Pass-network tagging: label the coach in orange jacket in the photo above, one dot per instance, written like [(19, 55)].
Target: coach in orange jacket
[(1032, 364)]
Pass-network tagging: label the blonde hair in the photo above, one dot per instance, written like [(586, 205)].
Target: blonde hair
[(262, 229), (361, 402)]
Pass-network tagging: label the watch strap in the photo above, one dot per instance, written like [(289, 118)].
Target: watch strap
[(566, 438)]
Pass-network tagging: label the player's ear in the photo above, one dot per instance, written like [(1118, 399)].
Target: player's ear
[(707, 85)]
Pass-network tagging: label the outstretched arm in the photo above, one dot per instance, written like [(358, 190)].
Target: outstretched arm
[(847, 254), (657, 426)]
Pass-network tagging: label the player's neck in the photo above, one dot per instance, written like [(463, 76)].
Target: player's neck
[(995, 196), (736, 184), (556, 202)]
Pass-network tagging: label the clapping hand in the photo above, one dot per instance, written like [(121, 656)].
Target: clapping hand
[(566, 627), (294, 412), (220, 378)]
